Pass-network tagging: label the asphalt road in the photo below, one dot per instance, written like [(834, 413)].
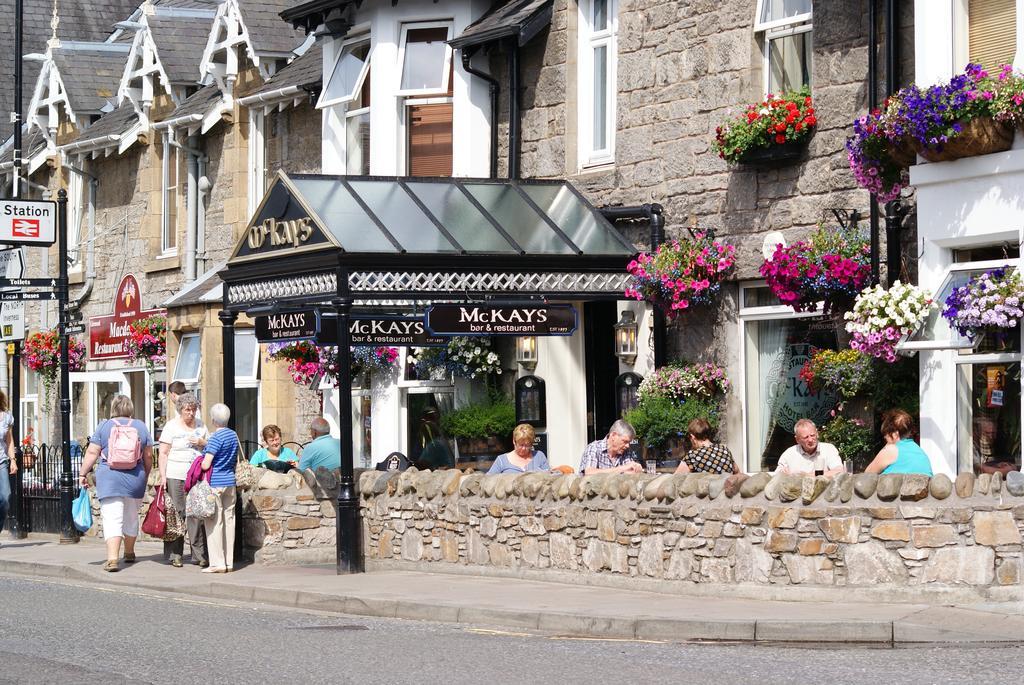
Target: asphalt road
[(56, 632)]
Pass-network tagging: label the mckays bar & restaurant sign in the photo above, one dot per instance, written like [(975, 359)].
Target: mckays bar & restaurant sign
[(108, 333), (363, 331), (540, 319)]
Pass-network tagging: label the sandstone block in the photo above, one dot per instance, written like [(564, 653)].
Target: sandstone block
[(532, 525), (872, 564), (812, 488), (781, 542), (302, 522), (716, 570), (982, 484), (914, 487), (753, 563), (266, 502), (933, 536), (841, 529), (782, 517), (756, 483), (865, 484), (812, 570), (650, 561), (810, 546), (412, 546), (1015, 483), (790, 487), (562, 551), (752, 516), (384, 544), (733, 483), (970, 565), (680, 563), (940, 486), (891, 530), (965, 484), (995, 528), (889, 486), (450, 547), (1008, 572)]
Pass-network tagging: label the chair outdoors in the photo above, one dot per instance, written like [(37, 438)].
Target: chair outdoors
[(295, 447)]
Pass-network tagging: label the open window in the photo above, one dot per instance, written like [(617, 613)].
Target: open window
[(785, 28), (349, 73), (186, 368), (426, 59)]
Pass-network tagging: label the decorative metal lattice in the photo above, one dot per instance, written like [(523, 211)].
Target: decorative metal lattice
[(282, 288)]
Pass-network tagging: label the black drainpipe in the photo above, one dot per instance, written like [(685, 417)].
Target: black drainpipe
[(494, 89), (893, 209), (872, 105), (513, 109), (655, 215)]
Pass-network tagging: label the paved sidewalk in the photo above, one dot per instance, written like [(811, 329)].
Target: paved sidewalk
[(525, 604)]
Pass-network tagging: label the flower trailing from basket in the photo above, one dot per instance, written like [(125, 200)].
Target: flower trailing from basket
[(847, 372), (41, 353), (681, 274), (881, 317), (776, 121), (147, 341), (308, 361), (830, 267), (879, 155), (465, 357), (994, 299), (303, 359), (679, 381)]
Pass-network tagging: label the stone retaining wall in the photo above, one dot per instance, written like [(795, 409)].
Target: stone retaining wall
[(877, 533)]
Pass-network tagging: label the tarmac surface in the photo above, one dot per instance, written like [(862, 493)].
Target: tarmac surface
[(555, 608)]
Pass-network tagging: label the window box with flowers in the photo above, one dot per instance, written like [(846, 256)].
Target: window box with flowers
[(41, 353), (990, 305), (681, 274), (830, 267), (772, 133)]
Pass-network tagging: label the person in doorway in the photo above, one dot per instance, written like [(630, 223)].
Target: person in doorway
[(436, 452), (523, 458), (273, 452), (808, 456), (181, 441), (120, 491), (612, 454), (8, 462), (324, 450), (706, 456), (900, 454), (220, 456)]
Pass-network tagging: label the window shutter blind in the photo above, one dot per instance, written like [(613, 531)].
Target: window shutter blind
[(992, 32), (430, 140)]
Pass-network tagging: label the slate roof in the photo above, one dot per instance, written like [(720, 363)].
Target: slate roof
[(268, 31), (81, 20), (90, 76), (31, 143), (112, 123), (305, 71), (199, 102), (180, 42), (204, 290), (522, 18)]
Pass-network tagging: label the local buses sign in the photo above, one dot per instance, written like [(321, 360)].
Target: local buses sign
[(108, 334), (540, 319), (28, 222)]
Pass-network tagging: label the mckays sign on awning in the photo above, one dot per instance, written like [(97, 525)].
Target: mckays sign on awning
[(108, 334), (527, 319), (363, 330)]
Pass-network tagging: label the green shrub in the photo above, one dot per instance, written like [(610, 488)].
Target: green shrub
[(851, 437), (660, 419), (481, 420)]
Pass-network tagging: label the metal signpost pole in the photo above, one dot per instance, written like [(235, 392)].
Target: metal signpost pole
[(16, 153), (67, 526), (349, 532), (16, 511)]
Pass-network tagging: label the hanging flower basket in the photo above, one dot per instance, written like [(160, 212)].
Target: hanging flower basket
[(308, 362), (464, 357), (147, 341), (982, 136), (771, 133), (41, 354), (882, 317), (776, 155), (681, 274), (830, 267), (990, 302)]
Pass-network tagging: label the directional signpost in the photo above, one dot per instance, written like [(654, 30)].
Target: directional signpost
[(12, 314)]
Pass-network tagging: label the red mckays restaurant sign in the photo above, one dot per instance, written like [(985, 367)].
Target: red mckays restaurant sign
[(108, 334)]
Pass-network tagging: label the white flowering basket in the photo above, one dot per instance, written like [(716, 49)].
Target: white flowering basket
[(883, 317)]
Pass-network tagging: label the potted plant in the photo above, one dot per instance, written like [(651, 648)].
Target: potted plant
[(882, 317), (483, 427), (830, 267), (846, 372), (681, 274), (41, 353), (772, 132), (990, 302), (852, 438)]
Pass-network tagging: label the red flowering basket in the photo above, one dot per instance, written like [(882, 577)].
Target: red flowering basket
[(147, 341), (771, 132), (41, 354)]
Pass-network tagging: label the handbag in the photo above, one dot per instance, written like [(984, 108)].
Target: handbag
[(174, 527), (81, 510), (155, 523), (245, 475), (200, 502)]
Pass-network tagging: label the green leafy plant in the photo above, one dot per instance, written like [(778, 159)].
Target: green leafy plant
[(851, 437), (495, 417), (845, 371), (660, 419)]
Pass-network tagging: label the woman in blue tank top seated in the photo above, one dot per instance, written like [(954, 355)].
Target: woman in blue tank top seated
[(522, 458), (900, 454)]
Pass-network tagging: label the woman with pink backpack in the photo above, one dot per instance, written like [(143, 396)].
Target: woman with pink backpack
[(124, 449)]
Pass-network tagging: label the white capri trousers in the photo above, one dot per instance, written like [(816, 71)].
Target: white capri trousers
[(120, 517)]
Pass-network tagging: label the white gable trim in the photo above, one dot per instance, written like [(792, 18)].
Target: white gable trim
[(140, 70), (221, 57), (48, 96)]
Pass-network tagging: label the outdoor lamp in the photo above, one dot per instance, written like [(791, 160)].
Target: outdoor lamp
[(526, 352), (625, 337)]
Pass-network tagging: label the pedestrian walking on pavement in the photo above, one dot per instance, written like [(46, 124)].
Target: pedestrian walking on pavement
[(123, 449), (181, 441), (221, 455), (8, 464)]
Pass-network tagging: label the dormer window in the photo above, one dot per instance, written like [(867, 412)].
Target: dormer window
[(349, 74), (785, 28), (426, 59)]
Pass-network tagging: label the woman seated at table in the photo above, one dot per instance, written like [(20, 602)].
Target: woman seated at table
[(705, 456), (273, 452), (523, 457), (900, 454)]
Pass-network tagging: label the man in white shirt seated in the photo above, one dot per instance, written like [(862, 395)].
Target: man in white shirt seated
[(808, 455)]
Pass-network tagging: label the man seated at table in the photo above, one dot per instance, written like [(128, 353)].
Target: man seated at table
[(323, 450), (808, 455), (612, 454)]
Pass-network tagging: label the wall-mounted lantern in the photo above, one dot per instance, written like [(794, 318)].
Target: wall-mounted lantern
[(526, 352), (626, 387), (625, 337), (531, 401)]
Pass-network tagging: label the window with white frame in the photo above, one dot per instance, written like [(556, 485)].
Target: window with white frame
[(77, 213), (991, 32), (425, 81), (169, 196), (189, 362), (784, 27), (598, 29), (247, 386), (29, 417)]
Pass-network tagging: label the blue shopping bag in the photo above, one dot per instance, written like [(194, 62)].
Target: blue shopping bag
[(81, 510)]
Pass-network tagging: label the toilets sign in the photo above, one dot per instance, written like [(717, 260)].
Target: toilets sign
[(28, 222)]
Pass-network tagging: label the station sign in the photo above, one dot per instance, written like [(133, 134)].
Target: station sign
[(363, 330), (108, 334), (28, 222), (526, 319)]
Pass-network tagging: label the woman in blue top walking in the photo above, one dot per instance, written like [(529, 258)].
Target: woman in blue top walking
[(900, 454), (220, 458)]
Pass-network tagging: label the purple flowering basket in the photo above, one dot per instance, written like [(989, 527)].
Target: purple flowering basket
[(981, 136)]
